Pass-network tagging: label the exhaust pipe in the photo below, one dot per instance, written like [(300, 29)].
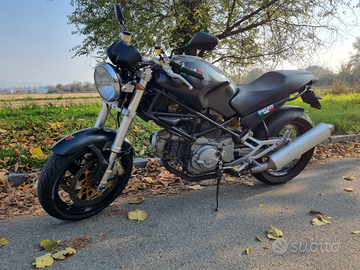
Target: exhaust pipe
[(294, 149), (300, 145)]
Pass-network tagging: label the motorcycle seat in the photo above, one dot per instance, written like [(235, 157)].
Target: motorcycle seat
[(269, 88)]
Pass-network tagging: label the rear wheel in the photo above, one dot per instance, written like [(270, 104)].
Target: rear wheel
[(298, 127), (66, 189)]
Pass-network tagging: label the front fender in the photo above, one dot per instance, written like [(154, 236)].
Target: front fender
[(83, 138), (277, 121)]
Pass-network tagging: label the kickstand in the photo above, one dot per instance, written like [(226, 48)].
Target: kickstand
[(219, 176)]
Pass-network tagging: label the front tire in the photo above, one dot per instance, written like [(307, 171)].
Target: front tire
[(299, 126), (65, 187)]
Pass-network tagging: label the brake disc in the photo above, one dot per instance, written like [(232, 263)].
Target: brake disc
[(81, 190)]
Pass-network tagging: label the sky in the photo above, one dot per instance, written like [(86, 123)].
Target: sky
[(35, 40)]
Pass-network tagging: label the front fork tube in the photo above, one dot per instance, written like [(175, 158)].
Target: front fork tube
[(129, 115)]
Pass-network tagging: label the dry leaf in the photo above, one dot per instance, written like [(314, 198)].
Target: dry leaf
[(274, 233), (248, 250), (261, 205), (78, 242), (230, 179), (105, 235), (355, 232), (349, 189), (4, 177), (259, 239), (315, 212), (266, 247), (196, 187), (44, 261), (137, 201), (60, 255), (3, 242), (137, 215), (321, 220), (350, 178), (37, 153), (49, 245)]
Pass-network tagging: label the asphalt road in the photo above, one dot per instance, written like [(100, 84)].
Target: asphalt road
[(184, 231)]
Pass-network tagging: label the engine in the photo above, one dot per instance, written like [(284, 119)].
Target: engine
[(199, 157)]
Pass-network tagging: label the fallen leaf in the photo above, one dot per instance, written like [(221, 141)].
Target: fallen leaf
[(137, 201), (60, 255), (37, 153), (350, 178), (355, 232), (105, 235), (196, 187), (349, 189), (261, 205), (3, 242), (274, 233), (121, 249), (248, 250), (49, 245), (321, 220), (4, 177), (266, 247), (249, 184), (315, 212), (259, 239), (78, 243), (230, 179), (137, 215), (148, 180), (44, 261)]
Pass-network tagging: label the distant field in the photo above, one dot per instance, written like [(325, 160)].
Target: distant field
[(46, 96), (19, 100)]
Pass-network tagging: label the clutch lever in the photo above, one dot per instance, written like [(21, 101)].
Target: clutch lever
[(172, 74)]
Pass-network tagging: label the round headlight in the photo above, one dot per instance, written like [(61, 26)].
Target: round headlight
[(107, 82)]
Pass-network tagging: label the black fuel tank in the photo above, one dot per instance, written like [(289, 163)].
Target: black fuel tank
[(215, 91)]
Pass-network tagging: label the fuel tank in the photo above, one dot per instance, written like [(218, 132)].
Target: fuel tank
[(214, 92)]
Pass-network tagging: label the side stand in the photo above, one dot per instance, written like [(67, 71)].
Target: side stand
[(219, 175)]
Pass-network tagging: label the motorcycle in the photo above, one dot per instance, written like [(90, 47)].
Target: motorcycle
[(210, 126)]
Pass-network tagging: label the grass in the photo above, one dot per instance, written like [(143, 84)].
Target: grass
[(343, 111), (41, 126)]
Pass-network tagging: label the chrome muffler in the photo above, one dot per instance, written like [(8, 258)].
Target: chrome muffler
[(300, 145), (295, 148)]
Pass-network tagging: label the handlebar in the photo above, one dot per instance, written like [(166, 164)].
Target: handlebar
[(180, 67)]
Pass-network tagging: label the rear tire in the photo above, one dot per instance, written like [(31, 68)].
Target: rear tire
[(300, 125), (65, 187)]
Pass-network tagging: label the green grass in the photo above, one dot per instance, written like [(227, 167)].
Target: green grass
[(34, 126), (343, 111), (41, 126)]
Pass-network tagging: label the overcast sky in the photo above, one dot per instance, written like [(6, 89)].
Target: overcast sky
[(35, 40)]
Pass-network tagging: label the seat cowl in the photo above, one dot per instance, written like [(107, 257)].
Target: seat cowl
[(269, 88)]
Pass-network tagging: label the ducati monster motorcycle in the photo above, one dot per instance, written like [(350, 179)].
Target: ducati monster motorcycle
[(210, 126)]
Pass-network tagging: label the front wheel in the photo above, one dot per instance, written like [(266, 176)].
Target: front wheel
[(298, 126), (65, 187)]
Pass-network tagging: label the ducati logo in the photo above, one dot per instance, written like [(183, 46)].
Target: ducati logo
[(69, 137), (266, 110)]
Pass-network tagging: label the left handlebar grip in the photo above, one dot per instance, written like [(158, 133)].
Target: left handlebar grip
[(193, 73), (179, 67)]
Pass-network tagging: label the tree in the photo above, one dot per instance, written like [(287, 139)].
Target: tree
[(250, 31)]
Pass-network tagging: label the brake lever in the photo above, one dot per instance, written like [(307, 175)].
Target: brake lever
[(171, 73)]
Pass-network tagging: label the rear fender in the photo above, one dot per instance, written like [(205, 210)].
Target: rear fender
[(84, 138), (277, 121)]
